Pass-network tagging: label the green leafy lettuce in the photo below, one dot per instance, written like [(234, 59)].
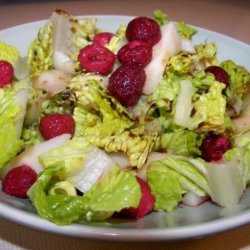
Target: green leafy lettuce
[(239, 85), (116, 190), (9, 112), (206, 54), (39, 56), (106, 123), (118, 40), (179, 142), (210, 110), (172, 177), (8, 53)]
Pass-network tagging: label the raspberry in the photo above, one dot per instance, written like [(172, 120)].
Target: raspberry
[(53, 125), (146, 203), (213, 147), (145, 29), (219, 73), (103, 38), (135, 53), (126, 84), (18, 181), (6, 73), (96, 58)]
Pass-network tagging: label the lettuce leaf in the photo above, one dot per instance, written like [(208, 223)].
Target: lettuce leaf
[(118, 40), (180, 142), (8, 53), (173, 176), (206, 54), (106, 123), (39, 56), (60, 209), (166, 92), (210, 110), (9, 128), (165, 186), (239, 85), (185, 30), (116, 190)]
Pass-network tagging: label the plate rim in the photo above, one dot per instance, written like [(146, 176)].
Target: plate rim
[(200, 230)]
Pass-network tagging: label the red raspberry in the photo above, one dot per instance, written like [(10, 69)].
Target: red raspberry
[(145, 29), (6, 73), (213, 147), (135, 53), (126, 84), (103, 38), (96, 58), (53, 125), (18, 181), (146, 203), (219, 73)]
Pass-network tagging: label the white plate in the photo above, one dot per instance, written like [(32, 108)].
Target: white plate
[(184, 222)]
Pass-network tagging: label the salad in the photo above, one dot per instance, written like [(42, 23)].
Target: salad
[(95, 124)]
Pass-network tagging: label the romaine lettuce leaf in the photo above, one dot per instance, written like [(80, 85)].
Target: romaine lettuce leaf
[(118, 40), (165, 186), (135, 145), (8, 53), (72, 153), (166, 92), (206, 54), (177, 175), (116, 190), (179, 142), (210, 110), (60, 209), (185, 30), (160, 17), (10, 111), (180, 64), (39, 56), (239, 85)]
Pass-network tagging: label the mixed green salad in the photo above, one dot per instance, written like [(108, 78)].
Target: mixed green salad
[(169, 138)]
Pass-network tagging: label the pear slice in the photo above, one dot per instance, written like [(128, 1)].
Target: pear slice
[(30, 155)]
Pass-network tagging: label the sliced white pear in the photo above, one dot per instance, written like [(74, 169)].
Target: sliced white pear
[(225, 182), (30, 155), (187, 46), (120, 158), (193, 200), (169, 45), (184, 106), (53, 81), (61, 27)]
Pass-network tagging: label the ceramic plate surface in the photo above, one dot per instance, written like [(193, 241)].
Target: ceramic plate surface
[(184, 222)]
